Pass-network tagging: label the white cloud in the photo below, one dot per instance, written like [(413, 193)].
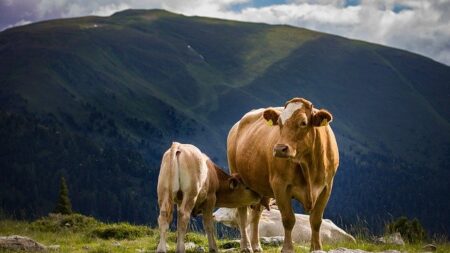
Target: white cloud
[(109, 9), (19, 23), (415, 25)]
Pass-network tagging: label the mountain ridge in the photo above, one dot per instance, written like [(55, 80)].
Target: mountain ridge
[(139, 79)]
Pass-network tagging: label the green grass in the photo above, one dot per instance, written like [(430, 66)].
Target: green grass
[(123, 237)]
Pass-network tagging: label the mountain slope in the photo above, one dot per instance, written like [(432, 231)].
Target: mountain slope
[(139, 79)]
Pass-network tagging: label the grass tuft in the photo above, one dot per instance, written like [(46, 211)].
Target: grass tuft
[(120, 231), (61, 222)]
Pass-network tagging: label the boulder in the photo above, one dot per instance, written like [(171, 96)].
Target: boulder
[(270, 225), (17, 242)]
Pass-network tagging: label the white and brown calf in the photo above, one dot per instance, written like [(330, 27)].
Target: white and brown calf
[(191, 180)]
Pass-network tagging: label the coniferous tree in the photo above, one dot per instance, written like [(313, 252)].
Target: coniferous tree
[(63, 206)]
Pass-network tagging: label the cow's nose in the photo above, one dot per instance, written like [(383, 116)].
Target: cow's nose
[(281, 150)]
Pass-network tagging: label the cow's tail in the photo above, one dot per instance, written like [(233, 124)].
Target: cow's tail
[(168, 182)]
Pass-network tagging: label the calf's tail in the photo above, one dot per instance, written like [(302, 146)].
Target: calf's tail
[(168, 182)]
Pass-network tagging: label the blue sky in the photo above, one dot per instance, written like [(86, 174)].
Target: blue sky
[(421, 26)]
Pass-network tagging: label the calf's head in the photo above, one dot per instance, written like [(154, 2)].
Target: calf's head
[(296, 122), (234, 193)]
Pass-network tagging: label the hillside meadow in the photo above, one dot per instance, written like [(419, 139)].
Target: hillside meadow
[(78, 233)]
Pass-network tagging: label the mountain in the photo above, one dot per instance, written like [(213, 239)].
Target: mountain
[(99, 99)]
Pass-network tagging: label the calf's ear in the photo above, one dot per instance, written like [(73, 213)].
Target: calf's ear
[(271, 116), (234, 182), (321, 118)]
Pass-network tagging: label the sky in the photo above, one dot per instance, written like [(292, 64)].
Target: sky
[(420, 26)]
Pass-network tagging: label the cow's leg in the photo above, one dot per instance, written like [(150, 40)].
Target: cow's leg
[(315, 219), (254, 228), (164, 220), (208, 222), (283, 198), (184, 214), (245, 244)]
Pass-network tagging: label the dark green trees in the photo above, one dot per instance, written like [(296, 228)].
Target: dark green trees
[(63, 206)]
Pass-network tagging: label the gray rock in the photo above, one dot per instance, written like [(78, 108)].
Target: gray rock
[(345, 250), (16, 242), (116, 244), (199, 249), (395, 239), (189, 246), (429, 248), (272, 241), (54, 247), (193, 247), (231, 250)]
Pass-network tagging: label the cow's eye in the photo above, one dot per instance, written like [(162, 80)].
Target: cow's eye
[(302, 124)]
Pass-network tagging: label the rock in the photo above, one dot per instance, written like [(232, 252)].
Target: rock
[(16, 242), (272, 241), (231, 250), (345, 250), (429, 248), (231, 244), (199, 249), (271, 224), (54, 247), (189, 246), (394, 238), (117, 244)]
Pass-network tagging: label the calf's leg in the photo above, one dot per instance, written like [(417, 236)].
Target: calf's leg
[(164, 220), (245, 244), (254, 228), (184, 214), (208, 223)]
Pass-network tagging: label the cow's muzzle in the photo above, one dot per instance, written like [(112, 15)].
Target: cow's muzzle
[(281, 150)]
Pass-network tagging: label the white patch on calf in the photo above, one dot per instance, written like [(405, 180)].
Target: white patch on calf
[(289, 110)]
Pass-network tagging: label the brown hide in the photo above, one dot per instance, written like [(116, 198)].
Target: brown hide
[(286, 154), (191, 180)]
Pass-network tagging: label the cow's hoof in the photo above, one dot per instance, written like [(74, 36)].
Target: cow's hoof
[(246, 250), (258, 249)]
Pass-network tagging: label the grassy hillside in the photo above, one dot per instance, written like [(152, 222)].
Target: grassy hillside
[(85, 234), (99, 99)]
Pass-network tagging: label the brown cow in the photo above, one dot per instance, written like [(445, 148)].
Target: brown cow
[(285, 153), (192, 181)]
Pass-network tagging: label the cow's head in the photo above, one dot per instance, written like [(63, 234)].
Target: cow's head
[(295, 121)]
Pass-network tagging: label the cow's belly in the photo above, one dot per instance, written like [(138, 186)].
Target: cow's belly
[(255, 176)]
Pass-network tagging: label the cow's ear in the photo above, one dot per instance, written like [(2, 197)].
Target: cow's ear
[(234, 182), (321, 118), (271, 116)]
